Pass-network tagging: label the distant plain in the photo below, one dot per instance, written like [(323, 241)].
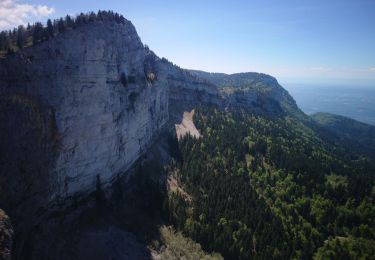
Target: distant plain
[(357, 102)]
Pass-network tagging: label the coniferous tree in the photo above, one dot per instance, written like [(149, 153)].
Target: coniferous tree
[(100, 15), (49, 28), (21, 37), (92, 17), (3, 41), (69, 22), (61, 26), (38, 33)]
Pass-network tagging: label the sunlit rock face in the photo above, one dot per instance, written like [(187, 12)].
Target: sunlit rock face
[(89, 102), (91, 84)]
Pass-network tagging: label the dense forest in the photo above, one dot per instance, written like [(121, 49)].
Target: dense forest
[(258, 187), (22, 37)]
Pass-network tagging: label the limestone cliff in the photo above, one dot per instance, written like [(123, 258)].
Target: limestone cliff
[(88, 103), (258, 92), (88, 90)]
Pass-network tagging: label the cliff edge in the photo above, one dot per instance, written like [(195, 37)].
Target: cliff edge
[(85, 104)]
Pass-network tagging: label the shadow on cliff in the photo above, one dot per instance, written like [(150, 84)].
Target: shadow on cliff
[(119, 221)]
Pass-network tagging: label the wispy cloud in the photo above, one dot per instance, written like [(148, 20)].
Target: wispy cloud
[(13, 13), (372, 69)]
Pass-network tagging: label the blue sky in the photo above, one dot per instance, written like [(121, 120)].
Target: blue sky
[(297, 41)]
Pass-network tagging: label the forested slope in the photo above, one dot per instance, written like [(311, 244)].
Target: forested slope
[(358, 135), (272, 188)]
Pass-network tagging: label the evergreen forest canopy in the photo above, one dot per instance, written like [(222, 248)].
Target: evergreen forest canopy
[(22, 37), (272, 188)]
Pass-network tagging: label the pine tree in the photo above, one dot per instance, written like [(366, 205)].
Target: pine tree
[(60, 25), (49, 28), (37, 33), (21, 37), (3, 41), (69, 22)]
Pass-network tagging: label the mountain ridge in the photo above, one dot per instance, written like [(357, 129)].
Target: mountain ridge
[(66, 83)]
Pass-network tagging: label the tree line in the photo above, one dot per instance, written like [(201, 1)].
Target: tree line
[(32, 34)]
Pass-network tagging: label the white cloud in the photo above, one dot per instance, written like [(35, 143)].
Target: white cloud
[(13, 13), (372, 69)]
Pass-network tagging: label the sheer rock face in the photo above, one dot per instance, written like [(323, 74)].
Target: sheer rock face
[(91, 84), (186, 91), (88, 102), (6, 236)]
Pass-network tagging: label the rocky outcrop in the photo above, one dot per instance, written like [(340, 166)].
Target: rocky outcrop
[(187, 126), (186, 91), (257, 92), (6, 236)]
